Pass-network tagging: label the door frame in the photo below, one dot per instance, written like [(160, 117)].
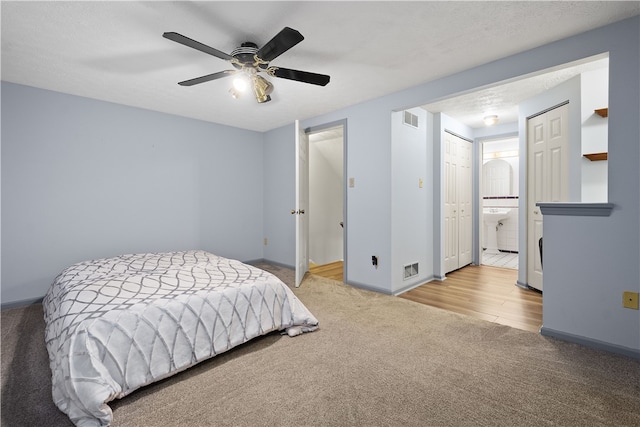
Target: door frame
[(319, 128), (301, 203), (479, 188)]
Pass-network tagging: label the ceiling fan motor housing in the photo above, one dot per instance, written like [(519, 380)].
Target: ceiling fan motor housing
[(245, 54)]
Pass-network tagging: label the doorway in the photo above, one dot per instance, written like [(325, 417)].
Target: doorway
[(499, 188), (327, 202)]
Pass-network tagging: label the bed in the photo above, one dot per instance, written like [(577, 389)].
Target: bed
[(114, 325)]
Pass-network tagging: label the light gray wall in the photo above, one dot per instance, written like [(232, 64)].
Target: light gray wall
[(411, 205), (368, 158), (84, 179), (590, 261)]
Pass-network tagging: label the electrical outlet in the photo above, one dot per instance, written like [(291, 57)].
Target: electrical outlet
[(374, 261), (630, 300)]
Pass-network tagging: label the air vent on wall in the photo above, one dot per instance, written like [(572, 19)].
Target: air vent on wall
[(410, 270), (410, 119)]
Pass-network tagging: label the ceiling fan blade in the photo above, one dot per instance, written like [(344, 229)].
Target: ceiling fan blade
[(279, 44), (301, 76), (207, 78), (179, 38)]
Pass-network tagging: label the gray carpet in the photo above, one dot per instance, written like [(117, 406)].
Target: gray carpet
[(376, 360)]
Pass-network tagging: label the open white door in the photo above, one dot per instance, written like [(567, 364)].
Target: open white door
[(302, 203), (547, 180)]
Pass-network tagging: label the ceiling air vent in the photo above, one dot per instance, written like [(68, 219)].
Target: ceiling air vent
[(410, 119)]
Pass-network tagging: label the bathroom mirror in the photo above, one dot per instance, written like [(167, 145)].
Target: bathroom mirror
[(497, 178)]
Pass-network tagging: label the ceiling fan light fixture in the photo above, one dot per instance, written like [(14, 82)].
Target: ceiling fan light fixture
[(240, 84), (490, 120), (235, 94), (262, 88)]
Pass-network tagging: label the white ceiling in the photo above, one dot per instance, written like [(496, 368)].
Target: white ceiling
[(503, 100), (114, 51)]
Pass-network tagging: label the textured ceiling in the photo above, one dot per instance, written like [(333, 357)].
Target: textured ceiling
[(114, 51), (503, 100)]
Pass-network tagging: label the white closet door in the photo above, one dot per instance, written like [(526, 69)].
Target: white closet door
[(450, 203), (547, 178), (457, 202), (465, 219)]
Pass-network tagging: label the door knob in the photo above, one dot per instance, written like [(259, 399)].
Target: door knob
[(293, 211), (301, 211)]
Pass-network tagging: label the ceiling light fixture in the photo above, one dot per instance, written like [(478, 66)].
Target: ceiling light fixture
[(234, 93), (240, 84), (490, 120), (261, 89)]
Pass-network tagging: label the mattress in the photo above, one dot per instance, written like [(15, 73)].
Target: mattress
[(114, 325)]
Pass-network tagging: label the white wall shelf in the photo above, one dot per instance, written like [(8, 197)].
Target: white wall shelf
[(596, 156), (602, 112)]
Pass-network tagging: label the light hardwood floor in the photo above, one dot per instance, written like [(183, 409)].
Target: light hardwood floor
[(332, 270), (484, 292)]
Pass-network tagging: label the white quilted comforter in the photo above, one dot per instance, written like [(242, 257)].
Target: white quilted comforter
[(114, 325)]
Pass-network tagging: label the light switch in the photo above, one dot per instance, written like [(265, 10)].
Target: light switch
[(420, 183), (352, 182)]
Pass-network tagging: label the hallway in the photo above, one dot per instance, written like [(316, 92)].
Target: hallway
[(484, 292)]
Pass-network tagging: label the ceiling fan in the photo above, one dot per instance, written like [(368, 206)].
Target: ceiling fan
[(249, 61)]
